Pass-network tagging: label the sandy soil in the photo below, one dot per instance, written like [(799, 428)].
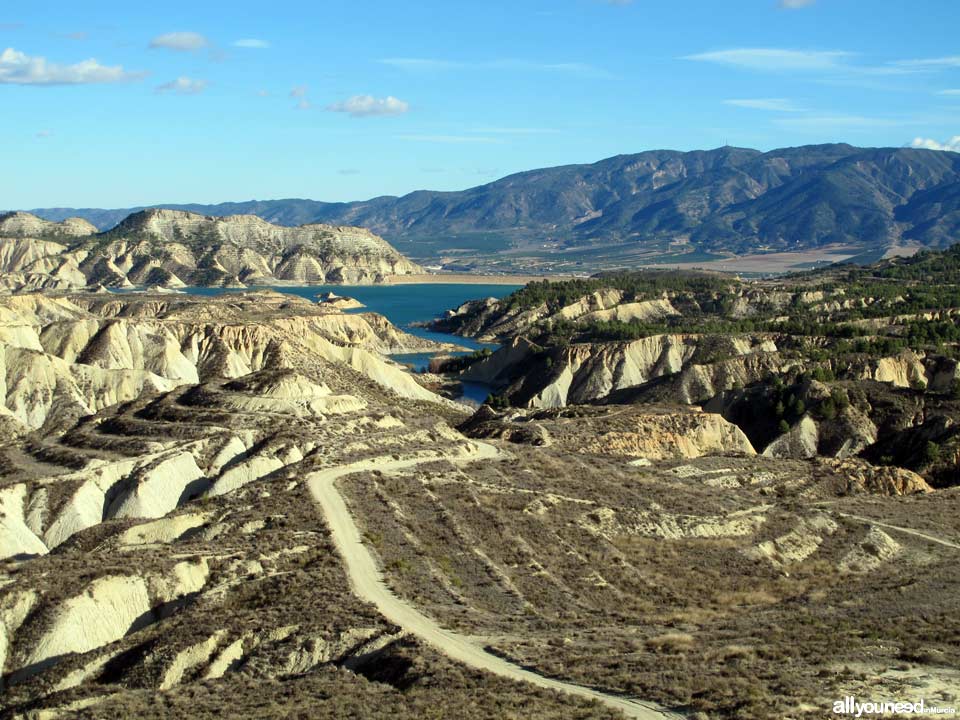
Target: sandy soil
[(367, 582)]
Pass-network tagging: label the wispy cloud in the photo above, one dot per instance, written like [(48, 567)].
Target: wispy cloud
[(775, 58), (303, 104), (951, 145), (421, 64), (952, 92), (77, 35), (17, 68), (453, 139), (251, 43), (348, 171), (43, 134), (298, 91), (180, 41), (929, 63), (504, 64), (770, 104), (795, 4), (183, 86), (369, 106), (841, 122), (829, 65), (515, 131)]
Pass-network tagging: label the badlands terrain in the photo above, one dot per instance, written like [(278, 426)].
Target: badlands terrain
[(675, 504), (172, 248)]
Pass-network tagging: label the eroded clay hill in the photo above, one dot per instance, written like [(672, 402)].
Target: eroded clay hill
[(68, 356), (172, 248), (841, 363)]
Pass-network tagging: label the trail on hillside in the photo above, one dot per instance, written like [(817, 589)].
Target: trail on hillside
[(908, 531), (368, 584)]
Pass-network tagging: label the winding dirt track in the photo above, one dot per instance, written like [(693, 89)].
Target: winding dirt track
[(368, 584), (908, 531)]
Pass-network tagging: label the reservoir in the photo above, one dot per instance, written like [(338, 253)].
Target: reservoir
[(405, 306)]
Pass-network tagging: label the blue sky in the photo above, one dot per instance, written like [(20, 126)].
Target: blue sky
[(112, 104)]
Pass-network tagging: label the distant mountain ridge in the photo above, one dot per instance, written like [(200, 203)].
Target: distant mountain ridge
[(728, 199)]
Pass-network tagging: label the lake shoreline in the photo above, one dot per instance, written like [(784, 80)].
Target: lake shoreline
[(469, 279)]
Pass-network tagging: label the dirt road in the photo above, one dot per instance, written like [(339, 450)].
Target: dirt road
[(897, 528), (368, 584)]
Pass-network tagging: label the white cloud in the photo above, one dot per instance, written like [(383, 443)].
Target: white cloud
[(252, 43), (952, 145), (298, 91), (775, 58), (796, 4), (453, 139), (180, 41), (949, 92), (369, 106), (17, 68), (183, 86), (771, 104), (304, 104)]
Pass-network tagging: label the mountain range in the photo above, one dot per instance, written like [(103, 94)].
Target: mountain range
[(724, 200)]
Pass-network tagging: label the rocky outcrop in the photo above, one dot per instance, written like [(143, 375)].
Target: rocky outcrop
[(173, 248), (685, 434), (799, 442), (638, 431), (589, 372), (861, 476), (17, 540), (909, 369), (492, 320), (340, 302)]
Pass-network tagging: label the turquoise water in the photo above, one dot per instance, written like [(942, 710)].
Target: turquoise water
[(404, 305)]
